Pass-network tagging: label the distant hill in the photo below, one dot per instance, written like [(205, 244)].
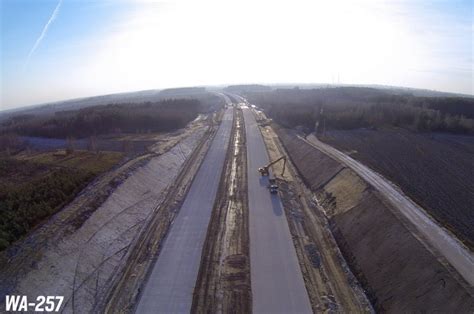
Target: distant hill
[(396, 90), (119, 98), (351, 107), (183, 91), (78, 103), (247, 88), (156, 95)]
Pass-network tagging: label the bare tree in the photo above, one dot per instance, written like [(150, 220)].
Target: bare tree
[(69, 145), (92, 144), (126, 146)]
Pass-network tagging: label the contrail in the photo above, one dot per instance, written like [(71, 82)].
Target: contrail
[(43, 33)]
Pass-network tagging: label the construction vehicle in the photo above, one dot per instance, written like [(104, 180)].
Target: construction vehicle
[(264, 170), (272, 186)]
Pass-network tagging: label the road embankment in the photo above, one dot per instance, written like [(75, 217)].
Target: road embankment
[(83, 249), (398, 271)]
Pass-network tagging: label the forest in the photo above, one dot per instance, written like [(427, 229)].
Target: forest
[(36, 186), (25, 204), (161, 116), (356, 107)]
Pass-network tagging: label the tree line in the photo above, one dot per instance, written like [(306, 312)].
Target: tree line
[(161, 116), (351, 108)]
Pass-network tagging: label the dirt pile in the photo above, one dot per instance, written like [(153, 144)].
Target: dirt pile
[(399, 273)]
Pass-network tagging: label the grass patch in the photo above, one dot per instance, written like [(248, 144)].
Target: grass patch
[(82, 160)]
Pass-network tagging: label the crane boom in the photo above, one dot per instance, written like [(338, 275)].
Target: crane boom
[(275, 161), (264, 170)]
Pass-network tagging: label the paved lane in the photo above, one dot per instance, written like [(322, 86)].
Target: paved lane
[(170, 286), (277, 282)]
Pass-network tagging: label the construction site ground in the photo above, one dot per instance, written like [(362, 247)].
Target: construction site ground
[(223, 284)]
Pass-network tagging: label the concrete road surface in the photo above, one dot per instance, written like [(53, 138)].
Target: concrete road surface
[(170, 286), (277, 281), (457, 255)]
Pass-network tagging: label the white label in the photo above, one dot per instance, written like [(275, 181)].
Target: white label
[(19, 303)]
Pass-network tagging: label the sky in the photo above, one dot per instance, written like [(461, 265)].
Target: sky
[(61, 49)]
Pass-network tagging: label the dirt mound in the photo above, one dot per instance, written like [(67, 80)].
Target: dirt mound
[(399, 273)]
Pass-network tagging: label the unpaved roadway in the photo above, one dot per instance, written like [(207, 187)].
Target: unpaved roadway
[(276, 278), (455, 253), (170, 286)]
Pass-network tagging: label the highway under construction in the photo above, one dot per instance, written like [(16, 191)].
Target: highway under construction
[(238, 214), (263, 244)]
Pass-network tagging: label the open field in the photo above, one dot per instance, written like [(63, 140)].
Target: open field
[(129, 144), (435, 170), (82, 160)]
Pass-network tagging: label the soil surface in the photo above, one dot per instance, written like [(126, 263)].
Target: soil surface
[(435, 170), (398, 272)]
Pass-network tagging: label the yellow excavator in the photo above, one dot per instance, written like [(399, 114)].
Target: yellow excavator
[(264, 170)]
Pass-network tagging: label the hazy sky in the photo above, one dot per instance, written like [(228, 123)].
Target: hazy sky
[(53, 50)]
